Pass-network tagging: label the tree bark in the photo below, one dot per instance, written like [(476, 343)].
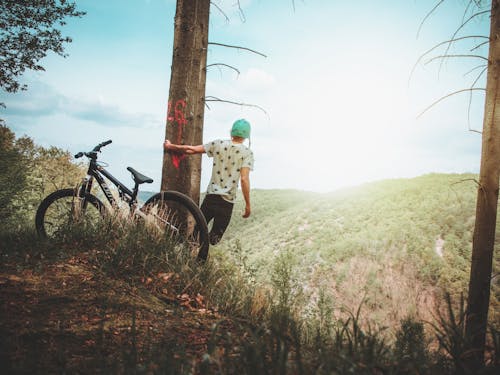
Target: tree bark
[(486, 206), (185, 113)]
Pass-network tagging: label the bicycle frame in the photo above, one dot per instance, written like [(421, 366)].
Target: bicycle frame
[(171, 212), (98, 173)]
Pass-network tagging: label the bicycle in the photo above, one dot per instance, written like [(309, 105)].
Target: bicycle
[(174, 213)]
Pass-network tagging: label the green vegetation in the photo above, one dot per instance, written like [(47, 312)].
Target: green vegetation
[(28, 173), (393, 243), (347, 282), (112, 302)]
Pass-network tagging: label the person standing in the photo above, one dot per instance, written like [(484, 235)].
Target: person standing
[(232, 163)]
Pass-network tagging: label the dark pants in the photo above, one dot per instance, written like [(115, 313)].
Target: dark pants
[(216, 208)]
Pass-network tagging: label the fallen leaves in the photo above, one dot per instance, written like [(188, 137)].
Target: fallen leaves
[(193, 303)]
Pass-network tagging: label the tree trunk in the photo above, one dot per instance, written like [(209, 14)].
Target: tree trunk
[(186, 96), (486, 206)]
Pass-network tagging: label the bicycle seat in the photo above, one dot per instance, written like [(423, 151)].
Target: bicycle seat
[(139, 177)]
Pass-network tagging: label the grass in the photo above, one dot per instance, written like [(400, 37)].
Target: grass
[(118, 298), (132, 307)]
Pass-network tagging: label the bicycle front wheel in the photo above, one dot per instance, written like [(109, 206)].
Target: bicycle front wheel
[(181, 220), (63, 209)]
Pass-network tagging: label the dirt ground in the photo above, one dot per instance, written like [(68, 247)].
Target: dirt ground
[(64, 317)]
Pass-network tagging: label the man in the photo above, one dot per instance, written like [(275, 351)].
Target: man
[(232, 162)]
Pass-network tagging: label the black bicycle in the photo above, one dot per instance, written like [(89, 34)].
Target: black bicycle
[(173, 213)]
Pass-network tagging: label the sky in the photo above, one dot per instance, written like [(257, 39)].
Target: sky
[(342, 87)]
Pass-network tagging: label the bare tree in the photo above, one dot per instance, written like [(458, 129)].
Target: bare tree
[(186, 96), (487, 202), (487, 195)]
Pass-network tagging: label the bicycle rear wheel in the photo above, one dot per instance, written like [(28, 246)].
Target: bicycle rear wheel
[(181, 220), (63, 209)]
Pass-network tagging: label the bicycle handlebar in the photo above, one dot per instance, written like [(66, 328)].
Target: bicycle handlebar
[(93, 154), (98, 147)]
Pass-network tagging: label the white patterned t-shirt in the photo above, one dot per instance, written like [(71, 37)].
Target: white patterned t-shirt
[(228, 159)]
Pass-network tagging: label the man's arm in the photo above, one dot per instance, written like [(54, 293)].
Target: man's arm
[(245, 188), (183, 149)]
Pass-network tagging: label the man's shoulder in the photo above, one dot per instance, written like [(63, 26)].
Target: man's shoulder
[(213, 145), (244, 148), (247, 150), (217, 142)]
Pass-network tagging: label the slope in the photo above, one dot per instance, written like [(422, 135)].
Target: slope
[(384, 242)]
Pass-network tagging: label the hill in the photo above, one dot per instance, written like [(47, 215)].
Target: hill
[(387, 242)]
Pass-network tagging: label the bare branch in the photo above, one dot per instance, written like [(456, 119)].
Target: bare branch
[(480, 45), (485, 68), (468, 20), (470, 100), (222, 64), (237, 47), (220, 10), (477, 67), (463, 25), (293, 5), (452, 41), (215, 99), (467, 9), (242, 15), (447, 96), (449, 56), (428, 15), (470, 6), (439, 45), (467, 180)]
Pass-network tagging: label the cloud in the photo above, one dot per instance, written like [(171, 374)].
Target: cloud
[(39, 100), (42, 100)]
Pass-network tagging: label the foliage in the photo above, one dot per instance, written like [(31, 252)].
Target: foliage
[(391, 241), (12, 172), (411, 346), (28, 31), (275, 338), (28, 173), (450, 332)]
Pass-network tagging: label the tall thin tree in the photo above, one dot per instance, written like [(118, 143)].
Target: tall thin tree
[(184, 124), (487, 202)]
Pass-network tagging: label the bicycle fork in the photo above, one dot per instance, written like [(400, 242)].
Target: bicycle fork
[(79, 204)]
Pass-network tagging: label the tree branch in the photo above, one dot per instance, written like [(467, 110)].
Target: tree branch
[(220, 10), (462, 25), (467, 9), (480, 45), (448, 56), (428, 15), (477, 67), (447, 96), (237, 47), (242, 15), (215, 99), (222, 64), (466, 180), (485, 68), (439, 45)]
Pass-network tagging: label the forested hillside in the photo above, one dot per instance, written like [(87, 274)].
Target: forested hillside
[(394, 242)]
